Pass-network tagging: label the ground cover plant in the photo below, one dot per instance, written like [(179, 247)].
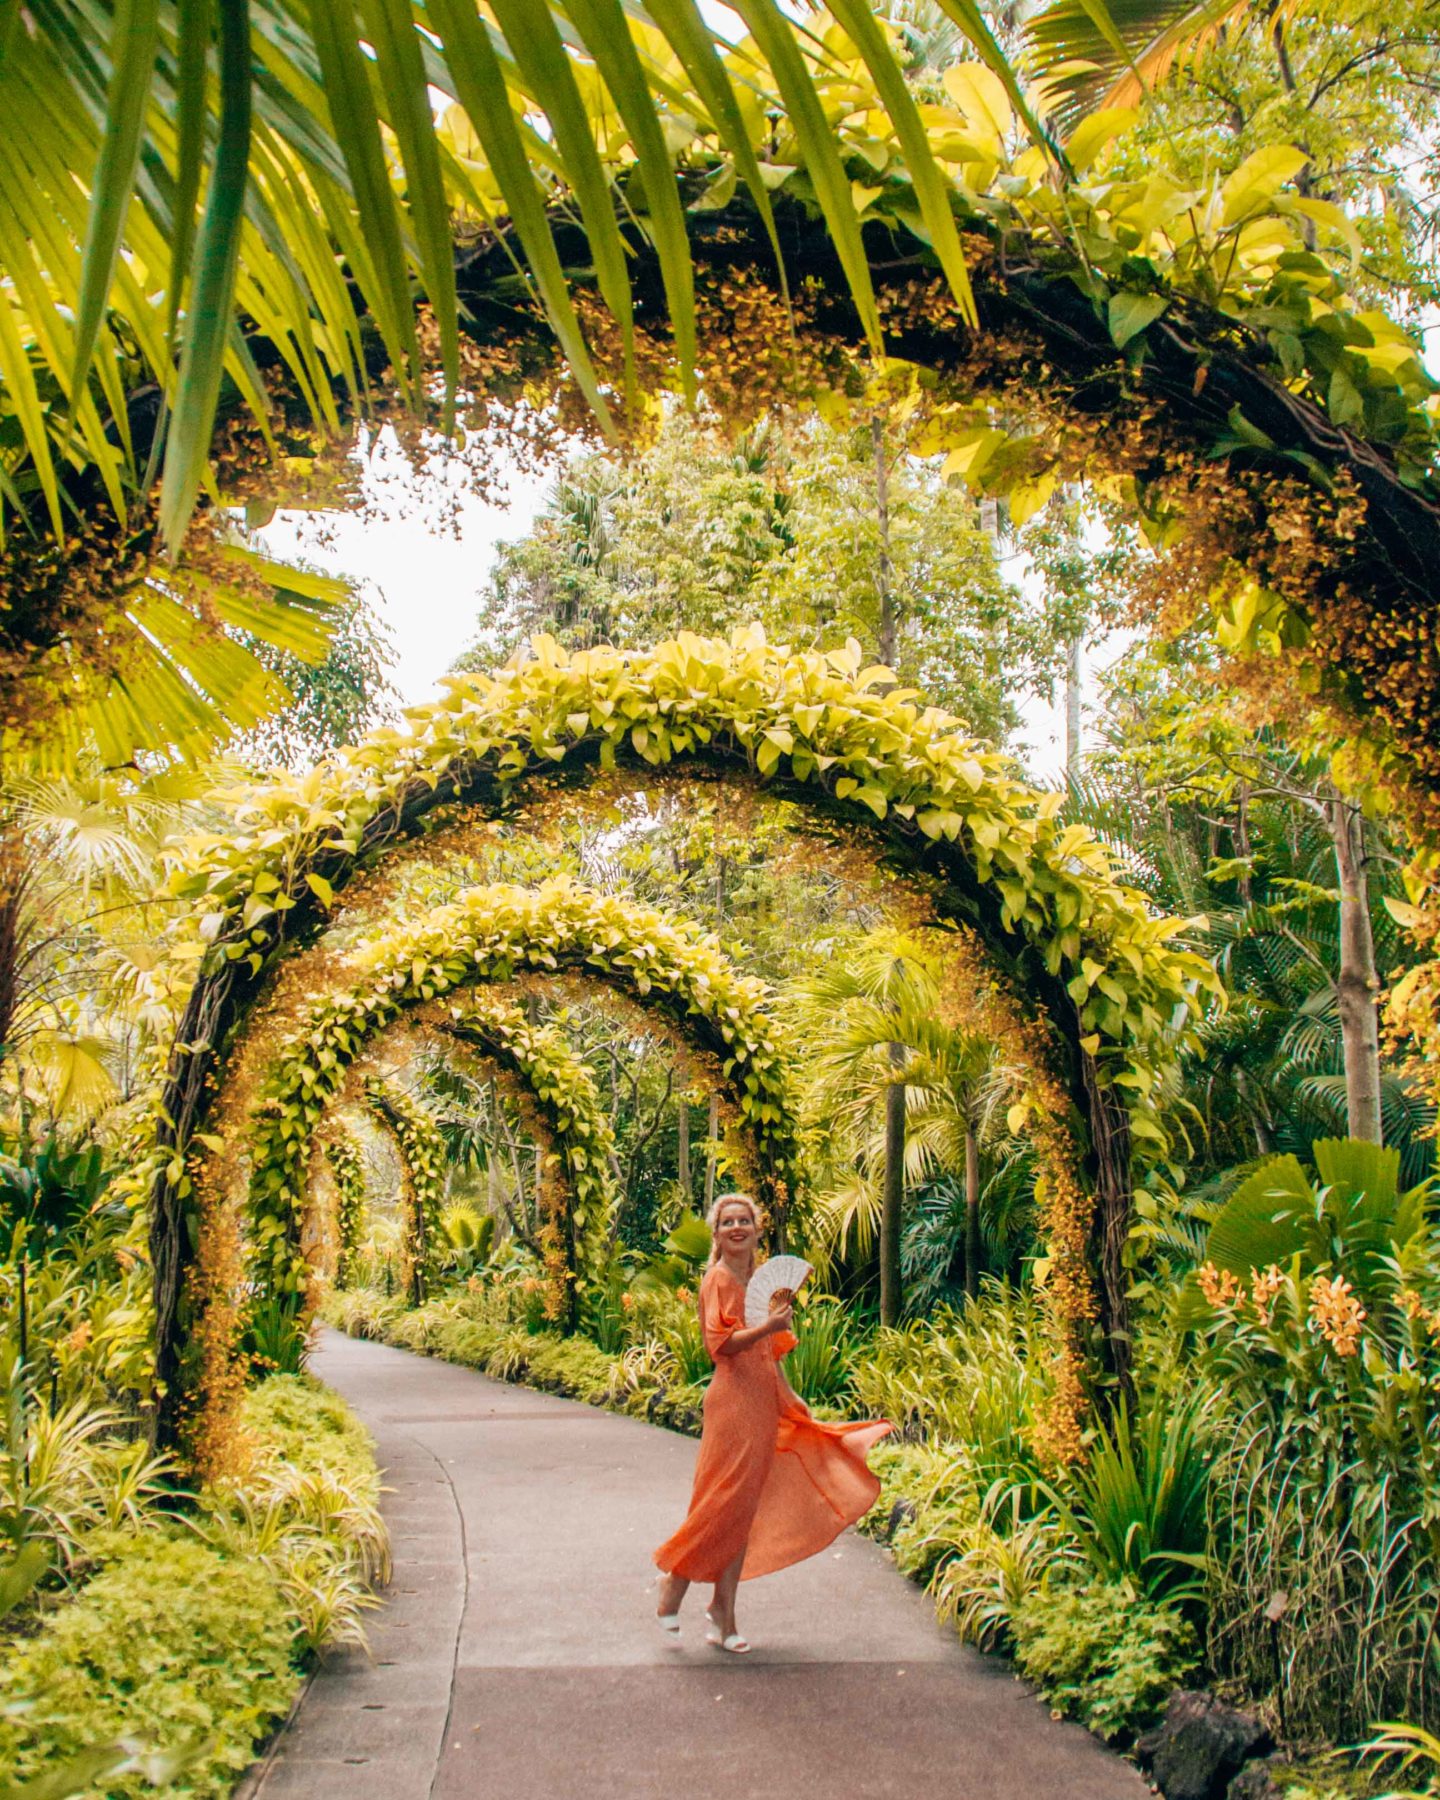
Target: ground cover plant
[(182, 1632)]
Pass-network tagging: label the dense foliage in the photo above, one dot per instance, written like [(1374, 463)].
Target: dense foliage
[(931, 345)]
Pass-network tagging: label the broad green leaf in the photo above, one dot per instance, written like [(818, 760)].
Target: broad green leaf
[(976, 27), (931, 187), (134, 34), (1265, 1220), (1129, 314), (1259, 179), (208, 319), (1354, 1166), (1093, 134)]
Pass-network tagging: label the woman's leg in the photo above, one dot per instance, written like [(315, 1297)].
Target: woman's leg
[(722, 1602), (673, 1589)]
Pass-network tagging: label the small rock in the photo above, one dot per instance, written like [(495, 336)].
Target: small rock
[(1201, 1747), (1256, 1781)]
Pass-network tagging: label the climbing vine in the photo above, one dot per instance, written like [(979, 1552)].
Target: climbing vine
[(815, 728), (559, 1100), (347, 1170), (422, 1184)]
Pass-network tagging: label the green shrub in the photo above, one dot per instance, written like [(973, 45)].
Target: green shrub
[(926, 1505), (298, 1421), (171, 1642), (979, 1378), (570, 1366), (818, 1368), (1102, 1654)]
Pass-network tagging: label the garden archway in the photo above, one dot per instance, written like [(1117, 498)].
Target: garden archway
[(554, 1088), (421, 1151), (812, 727), (491, 934)]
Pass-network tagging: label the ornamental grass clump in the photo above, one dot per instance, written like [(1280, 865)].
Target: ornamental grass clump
[(977, 1379)]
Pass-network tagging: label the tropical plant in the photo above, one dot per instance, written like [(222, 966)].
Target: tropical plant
[(1137, 1507), (470, 1235), (1322, 1322), (882, 1051), (819, 1366), (1357, 1220)]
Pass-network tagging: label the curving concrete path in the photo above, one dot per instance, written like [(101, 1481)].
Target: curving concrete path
[(515, 1656)]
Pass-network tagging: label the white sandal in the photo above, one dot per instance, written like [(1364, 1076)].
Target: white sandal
[(669, 1623), (735, 1644)]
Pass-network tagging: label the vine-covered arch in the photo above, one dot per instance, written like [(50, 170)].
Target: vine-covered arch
[(347, 1174), (491, 934), (814, 727), (561, 1106), (421, 1150)]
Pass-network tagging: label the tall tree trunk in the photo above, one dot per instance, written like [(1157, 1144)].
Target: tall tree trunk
[(887, 634), (1073, 747), (972, 1211), (1110, 1223), (682, 1141), (13, 884), (892, 1195), (1357, 984), (712, 1132)]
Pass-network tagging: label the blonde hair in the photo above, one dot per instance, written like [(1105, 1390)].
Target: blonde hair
[(712, 1219)]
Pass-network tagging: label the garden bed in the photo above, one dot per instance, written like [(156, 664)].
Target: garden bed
[(179, 1637)]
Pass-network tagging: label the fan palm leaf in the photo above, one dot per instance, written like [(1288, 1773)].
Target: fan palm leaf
[(1109, 53)]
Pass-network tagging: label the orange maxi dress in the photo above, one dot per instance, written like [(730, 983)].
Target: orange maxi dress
[(769, 1478)]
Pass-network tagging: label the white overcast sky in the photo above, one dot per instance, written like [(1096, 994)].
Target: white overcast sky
[(427, 585)]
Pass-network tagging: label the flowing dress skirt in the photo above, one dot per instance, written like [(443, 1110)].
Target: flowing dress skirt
[(769, 1478)]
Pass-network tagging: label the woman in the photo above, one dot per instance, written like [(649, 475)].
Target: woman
[(772, 1484)]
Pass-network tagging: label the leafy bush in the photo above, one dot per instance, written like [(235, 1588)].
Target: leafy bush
[(69, 1471), (186, 1635), (173, 1642), (818, 1368), (926, 1505), (978, 1378), (1102, 1654), (998, 1564)]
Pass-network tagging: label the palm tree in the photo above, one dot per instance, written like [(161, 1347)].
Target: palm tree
[(910, 1095), (80, 858)]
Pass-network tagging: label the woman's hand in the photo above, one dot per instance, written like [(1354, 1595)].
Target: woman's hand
[(780, 1316)]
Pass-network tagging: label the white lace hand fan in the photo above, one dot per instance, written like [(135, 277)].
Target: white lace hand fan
[(780, 1275)]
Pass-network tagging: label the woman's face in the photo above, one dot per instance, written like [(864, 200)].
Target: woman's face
[(735, 1229)]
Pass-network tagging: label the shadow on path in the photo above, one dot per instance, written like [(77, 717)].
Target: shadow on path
[(516, 1657)]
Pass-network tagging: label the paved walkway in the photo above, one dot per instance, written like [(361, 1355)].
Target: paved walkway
[(516, 1658)]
